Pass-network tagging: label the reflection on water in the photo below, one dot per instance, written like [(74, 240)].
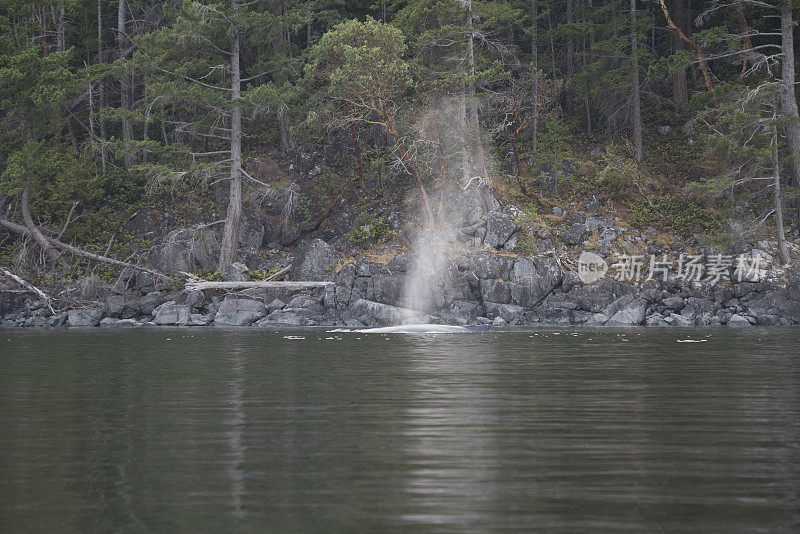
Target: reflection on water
[(244, 430), (237, 422)]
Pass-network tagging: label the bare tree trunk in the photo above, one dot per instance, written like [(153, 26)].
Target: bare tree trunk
[(584, 59), (288, 143), (462, 122), (569, 107), (233, 219), (61, 39), (535, 54), (680, 93), (40, 17), (478, 157), (100, 95), (124, 82), (637, 104), (783, 252), (787, 96)]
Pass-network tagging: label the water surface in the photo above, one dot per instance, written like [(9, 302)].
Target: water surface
[(235, 431)]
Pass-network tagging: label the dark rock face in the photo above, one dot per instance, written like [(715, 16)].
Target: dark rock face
[(575, 234), (239, 312), (597, 297), (675, 303), (195, 299), (235, 272), (122, 306), (484, 286), (150, 302), (85, 317), (784, 303), (315, 261), (631, 314), (170, 313), (499, 227)]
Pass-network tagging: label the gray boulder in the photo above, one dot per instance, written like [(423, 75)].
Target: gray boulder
[(633, 314), (598, 296), (465, 311), (122, 306), (497, 291), (737, 321), (196, 299), (85, 317), (306, 302), (510, 313), (499, 227), (275, 305), (57, 319), (679, 320), (575, 234), (251, 233), (150, 302), (171, 313), (239, 312), (618, 305), (289, 317), (144, 281), (235, 272), (534, 279), (674, 303), (783, 303), (198, 319), (315, 261)]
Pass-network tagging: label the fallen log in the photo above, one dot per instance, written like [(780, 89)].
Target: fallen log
[(192, 280), (199, 286), (21, 230), (29, 287)]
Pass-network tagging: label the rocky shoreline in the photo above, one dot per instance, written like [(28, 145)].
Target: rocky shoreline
[(484, 286)]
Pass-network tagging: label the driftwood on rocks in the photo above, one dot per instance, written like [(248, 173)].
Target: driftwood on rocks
[(29, 287), (22, 230), (195, 286), (194, 282)]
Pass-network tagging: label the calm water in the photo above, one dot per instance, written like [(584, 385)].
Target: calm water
[(233, 431)]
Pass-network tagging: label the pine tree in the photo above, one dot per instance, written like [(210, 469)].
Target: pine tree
[(195, 68)]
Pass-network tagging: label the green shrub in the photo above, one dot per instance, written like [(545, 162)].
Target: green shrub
[(676, 214), (370, 230)]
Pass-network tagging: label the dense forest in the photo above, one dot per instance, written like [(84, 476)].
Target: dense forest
[(678, 115)]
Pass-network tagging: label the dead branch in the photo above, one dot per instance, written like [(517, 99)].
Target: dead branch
[(21, 230), (34, 231), (29, 287)]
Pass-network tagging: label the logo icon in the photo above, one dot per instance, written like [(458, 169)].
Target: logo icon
[(591, 267)]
